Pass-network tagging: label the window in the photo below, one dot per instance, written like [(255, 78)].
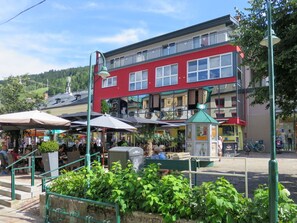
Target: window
[(109, 82), (233, 114), (220, 102), (196, 42), (180, 101), (141, 56), (210, 68), (213, 38), (162, 103), (116, 62), (166, 75), (122, 61), (168, 49), (234, 101), (138, 80), (111, 63), (220, 115), (204, 40)]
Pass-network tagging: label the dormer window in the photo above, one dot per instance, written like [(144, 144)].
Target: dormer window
[(58, 100), (77, 97)]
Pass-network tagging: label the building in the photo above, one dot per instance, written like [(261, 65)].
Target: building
[(163, 78)]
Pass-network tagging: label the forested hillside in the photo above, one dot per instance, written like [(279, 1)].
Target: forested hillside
[(57, 79)]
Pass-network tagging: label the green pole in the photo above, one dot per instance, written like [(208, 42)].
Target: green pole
[(103, 73), (33, 169), (90, 83), (12, 183), (273, 166)]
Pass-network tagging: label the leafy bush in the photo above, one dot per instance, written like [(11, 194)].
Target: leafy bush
[(218, 201), (171, 195), (259, 208), (48, 147)]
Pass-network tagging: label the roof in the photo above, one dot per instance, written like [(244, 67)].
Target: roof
[(202, 117), (66, 99), (227, 20)]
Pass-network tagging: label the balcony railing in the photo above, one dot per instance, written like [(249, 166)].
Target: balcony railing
[(170, 49)]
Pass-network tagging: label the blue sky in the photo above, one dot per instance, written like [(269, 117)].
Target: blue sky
[(60, 34)]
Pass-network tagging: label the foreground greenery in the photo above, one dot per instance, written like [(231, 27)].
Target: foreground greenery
[(171, 195)]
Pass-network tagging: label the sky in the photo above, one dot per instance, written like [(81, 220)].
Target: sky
[(58, 34)]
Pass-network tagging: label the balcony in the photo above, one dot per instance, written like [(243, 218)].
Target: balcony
[(197, 42)]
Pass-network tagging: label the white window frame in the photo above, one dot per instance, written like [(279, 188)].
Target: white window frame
[(140, 80), (109, 82), (164, 75), (209, 68)]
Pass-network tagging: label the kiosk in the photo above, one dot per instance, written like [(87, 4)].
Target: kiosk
[(202, 135)]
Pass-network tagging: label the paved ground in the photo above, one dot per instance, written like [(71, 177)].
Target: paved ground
[(257, 166)]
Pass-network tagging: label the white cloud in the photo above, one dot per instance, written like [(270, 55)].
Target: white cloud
[(61, 7), (15, 63), (175, 9), (124, 37)]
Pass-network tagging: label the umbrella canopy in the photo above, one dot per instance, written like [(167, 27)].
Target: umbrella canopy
[(107, 121), (32, 119), (139, 120)]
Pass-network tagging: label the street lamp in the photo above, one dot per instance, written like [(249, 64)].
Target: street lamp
[(269, 41), (104, 74)]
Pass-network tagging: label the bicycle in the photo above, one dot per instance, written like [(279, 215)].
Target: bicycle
[(256, 146)]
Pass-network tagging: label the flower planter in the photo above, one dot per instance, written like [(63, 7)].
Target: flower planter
[(51, 162)]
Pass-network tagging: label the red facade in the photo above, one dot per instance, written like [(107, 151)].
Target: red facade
[(122, 88)]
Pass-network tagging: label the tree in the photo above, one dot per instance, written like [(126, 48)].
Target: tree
[(15, 98), (251, 30)]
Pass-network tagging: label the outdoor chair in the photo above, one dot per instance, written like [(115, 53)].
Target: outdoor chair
[(73, 156), (3, 162)]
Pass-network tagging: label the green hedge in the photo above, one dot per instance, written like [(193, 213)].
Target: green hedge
[(171, 196)]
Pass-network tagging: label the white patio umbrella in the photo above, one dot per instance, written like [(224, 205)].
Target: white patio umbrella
[(32, 119), (109, 122)]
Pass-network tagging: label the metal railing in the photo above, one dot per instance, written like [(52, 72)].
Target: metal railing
[(209, 158), (63, 214), (178, 47), (13, 169), (46, 179)]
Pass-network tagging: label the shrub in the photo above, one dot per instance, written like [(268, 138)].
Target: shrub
[(171, 195), (218, 201), (259, 208), (48, 147)]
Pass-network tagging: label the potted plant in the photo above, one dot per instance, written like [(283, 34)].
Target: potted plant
[(49, 151)]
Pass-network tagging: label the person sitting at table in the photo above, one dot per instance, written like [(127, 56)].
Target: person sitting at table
[(15, 154), (62, 155), (28, 149), (3, 153), (158, 154)]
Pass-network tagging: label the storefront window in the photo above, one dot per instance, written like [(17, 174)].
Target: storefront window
[(228, 130)]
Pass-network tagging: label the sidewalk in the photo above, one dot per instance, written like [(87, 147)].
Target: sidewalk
[(257, 167), (9, 215)]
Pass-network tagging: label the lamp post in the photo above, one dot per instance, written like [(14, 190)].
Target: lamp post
[(269, 41), (104, 74)]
